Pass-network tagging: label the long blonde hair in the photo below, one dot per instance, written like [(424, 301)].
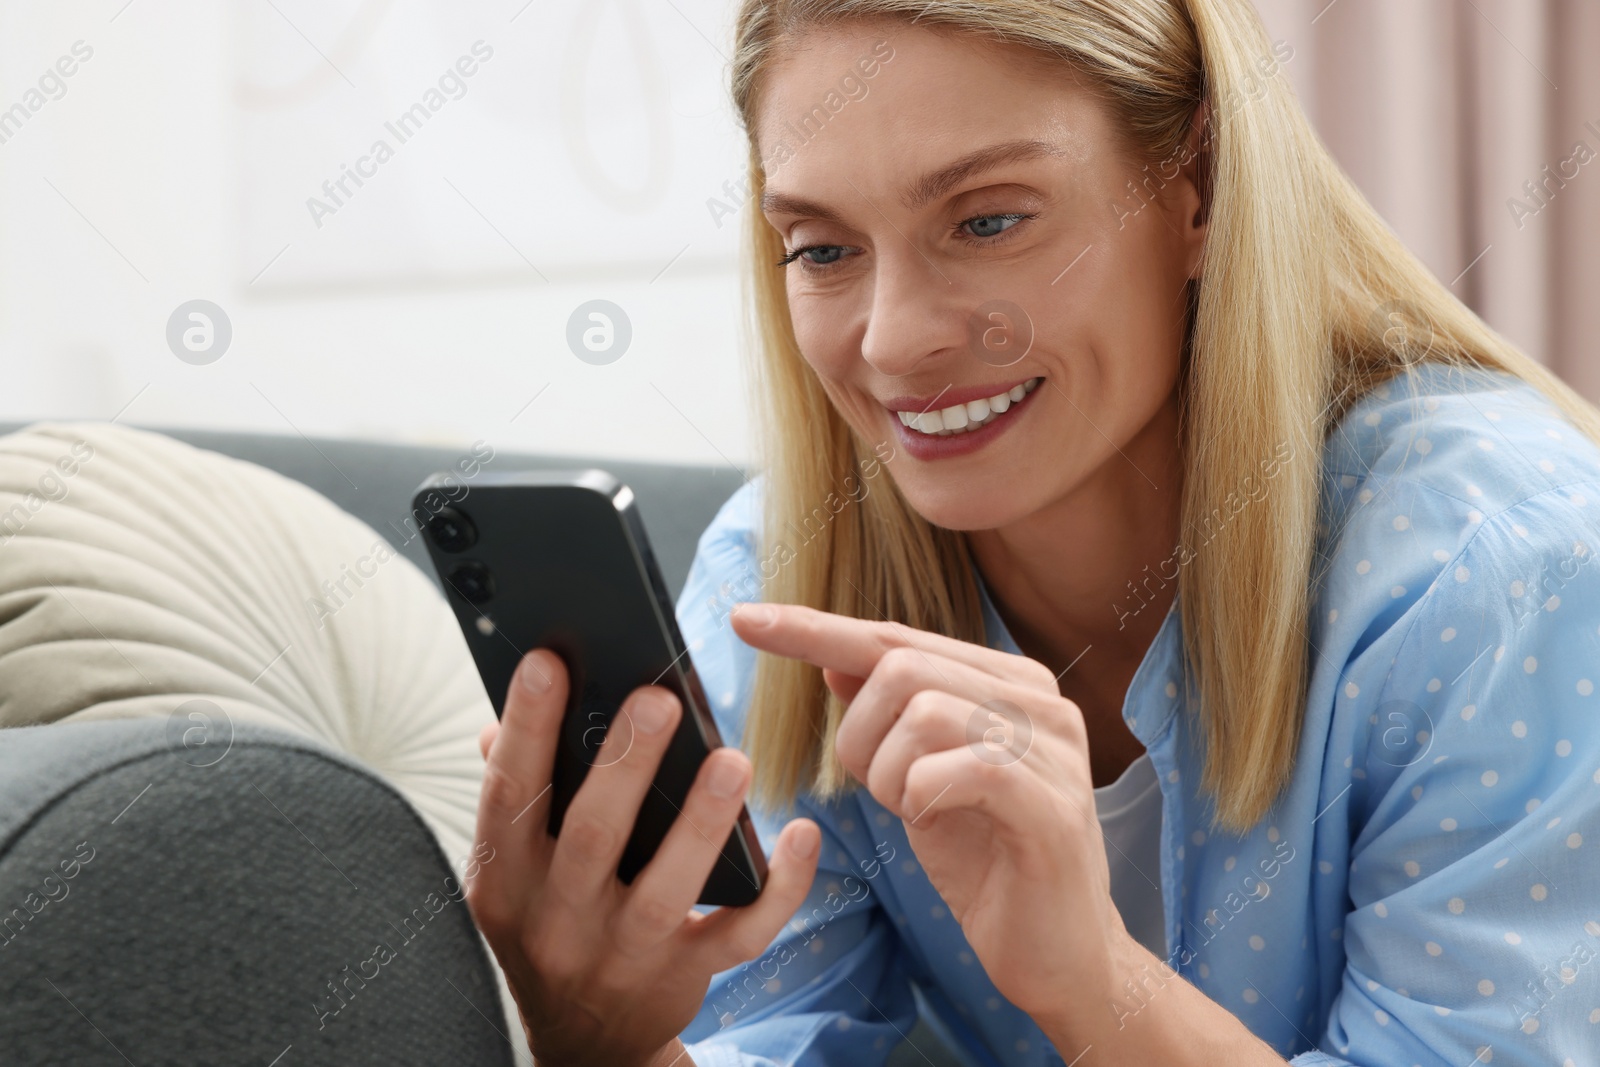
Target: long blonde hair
[(1292, 321)]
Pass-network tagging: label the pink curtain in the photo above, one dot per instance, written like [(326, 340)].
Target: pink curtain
[(1473, 126)]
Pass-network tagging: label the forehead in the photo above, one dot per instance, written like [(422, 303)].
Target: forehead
[(886, 91)]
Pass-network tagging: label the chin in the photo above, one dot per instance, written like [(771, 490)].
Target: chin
[(981, 502)]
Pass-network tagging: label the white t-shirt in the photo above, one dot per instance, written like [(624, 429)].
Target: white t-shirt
[(1130, 820)]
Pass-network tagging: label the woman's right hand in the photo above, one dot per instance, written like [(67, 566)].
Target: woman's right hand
[(602, 972)]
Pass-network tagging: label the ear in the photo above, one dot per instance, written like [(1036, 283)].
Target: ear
[(1195, 194)]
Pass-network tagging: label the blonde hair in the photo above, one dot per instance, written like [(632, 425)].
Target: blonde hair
[(1291, 323)]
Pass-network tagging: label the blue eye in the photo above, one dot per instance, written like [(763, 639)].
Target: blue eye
[(830, 254), (990, 225)]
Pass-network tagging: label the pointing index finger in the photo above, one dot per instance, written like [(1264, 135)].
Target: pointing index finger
[(850, 646)]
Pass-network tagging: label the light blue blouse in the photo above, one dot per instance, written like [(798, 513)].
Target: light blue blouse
[(1426, 890)]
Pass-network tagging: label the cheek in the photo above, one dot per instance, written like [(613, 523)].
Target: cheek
[(1143, 303), (822, 342)]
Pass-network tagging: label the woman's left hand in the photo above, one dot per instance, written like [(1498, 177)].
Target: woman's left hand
[(988, 766)]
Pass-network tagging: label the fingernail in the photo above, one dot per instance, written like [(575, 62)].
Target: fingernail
[(756, 613), (650, 712), (725, 779), (531, 675)]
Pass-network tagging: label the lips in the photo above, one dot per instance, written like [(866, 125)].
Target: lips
[(951, 394), (948, 443), (963, 410)]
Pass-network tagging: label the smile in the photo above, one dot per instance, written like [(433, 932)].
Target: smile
[(964, 418)]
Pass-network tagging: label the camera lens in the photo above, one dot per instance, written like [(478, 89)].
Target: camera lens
[(473, 581), (452, 531)]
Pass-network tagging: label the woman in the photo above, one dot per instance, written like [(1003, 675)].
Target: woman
[(1081, 279)]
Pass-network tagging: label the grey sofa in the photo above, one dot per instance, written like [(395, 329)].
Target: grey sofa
[(283, 906)]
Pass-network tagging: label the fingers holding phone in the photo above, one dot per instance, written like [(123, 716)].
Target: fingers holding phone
[(600, 820), (659, 902), (605, 972), (729, 935), (513, 804)]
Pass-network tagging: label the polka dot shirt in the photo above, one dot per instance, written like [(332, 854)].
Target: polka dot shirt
[(1426, 890)]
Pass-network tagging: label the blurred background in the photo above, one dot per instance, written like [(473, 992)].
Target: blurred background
[(538, 157)]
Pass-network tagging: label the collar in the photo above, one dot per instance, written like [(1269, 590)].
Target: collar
[(1157, 690)]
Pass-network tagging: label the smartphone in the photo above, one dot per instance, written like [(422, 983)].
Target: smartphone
[(560, 560)]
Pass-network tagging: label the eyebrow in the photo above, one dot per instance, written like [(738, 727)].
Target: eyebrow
[(928, 187)]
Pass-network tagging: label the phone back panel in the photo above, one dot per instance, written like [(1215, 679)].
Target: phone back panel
[(569, 568)]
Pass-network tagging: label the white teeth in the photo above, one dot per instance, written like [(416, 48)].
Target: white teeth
[(964, 418)]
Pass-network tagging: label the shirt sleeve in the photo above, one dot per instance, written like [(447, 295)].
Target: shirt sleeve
[(832, 986), (1474, 877)]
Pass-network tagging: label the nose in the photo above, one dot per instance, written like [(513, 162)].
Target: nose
[(914, 313)]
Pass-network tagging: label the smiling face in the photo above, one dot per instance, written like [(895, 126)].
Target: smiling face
[(966, 255)]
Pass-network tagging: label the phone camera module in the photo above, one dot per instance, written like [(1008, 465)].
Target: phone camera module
[(473, 581), (452, 531)]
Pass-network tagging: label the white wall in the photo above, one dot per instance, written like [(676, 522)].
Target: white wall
[(432, 304), (577, 164)]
